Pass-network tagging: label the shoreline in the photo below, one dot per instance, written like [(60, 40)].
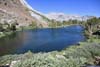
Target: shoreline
[(69, 54), (4, 34)]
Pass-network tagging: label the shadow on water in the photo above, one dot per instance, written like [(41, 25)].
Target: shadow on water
[(41, 40)]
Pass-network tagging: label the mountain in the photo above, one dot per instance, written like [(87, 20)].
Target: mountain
[(64, 17), (19, 11)]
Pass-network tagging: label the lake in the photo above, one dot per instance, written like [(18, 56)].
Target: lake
[(41, 40)]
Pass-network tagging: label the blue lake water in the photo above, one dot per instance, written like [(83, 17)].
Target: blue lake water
[(41, 40)]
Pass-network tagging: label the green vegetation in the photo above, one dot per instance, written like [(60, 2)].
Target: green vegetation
[(55, 24), (92, 25), (74, 56), (7, 29)]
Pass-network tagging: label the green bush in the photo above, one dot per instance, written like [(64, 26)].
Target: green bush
[(74, 56)]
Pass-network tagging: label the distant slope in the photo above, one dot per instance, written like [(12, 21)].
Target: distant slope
[(64, 17)]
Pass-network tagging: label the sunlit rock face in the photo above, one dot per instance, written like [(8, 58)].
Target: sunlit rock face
[(19, 11)]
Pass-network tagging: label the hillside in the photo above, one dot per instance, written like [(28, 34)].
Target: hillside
[(18, 11)]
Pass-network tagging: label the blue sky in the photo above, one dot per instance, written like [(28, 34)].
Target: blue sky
[(76, 7)]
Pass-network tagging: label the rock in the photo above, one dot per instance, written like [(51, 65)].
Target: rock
[(13, 63), (97, 60), (60, 56)]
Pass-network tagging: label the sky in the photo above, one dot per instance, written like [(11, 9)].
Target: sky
[(70, 7)]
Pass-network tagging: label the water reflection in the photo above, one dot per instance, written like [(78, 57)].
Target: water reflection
[(9, 44)]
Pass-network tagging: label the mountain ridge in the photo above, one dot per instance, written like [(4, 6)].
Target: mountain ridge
[(64, 17), (21, 12)]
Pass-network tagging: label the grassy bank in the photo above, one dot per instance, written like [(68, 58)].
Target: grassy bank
[(6, 33), (3, 34), (74, 56)]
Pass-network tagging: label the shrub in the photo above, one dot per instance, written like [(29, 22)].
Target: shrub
[(74, 56)]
